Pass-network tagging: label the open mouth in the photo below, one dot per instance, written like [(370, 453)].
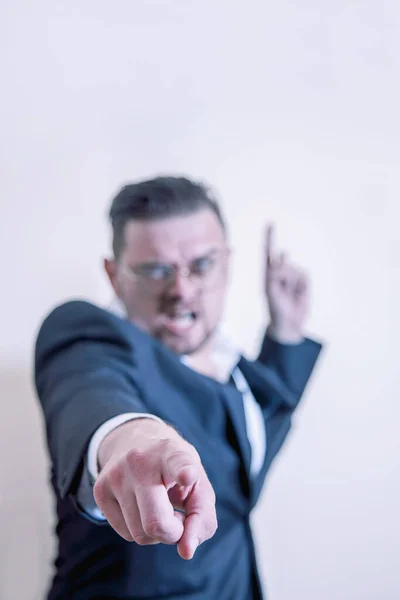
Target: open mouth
[(180, 322)]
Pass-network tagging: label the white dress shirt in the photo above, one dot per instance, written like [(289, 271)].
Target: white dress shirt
[(226, 359)]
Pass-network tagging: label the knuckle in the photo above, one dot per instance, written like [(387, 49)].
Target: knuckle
[(136, 459), (115, 475), (166, 443), (155, 529), (140, 464)]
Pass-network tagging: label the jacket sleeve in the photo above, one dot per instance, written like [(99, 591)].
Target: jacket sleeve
[(85, 374), (277, 380), (292, 364)]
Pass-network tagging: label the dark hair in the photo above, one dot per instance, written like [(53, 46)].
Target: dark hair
[(157, 199)]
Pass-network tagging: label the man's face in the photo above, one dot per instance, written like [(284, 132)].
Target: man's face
[(172, 278)]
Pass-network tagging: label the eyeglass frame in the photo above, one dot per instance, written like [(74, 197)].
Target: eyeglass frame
[(185, 271)]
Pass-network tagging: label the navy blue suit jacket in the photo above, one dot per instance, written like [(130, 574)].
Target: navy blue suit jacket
[(90, 365)]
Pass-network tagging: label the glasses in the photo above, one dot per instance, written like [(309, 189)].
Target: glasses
[(155, 277)]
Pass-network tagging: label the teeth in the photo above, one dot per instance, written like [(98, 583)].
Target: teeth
[(182, 321), (185, 318)]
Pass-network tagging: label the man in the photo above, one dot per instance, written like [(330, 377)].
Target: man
[(158, 429)]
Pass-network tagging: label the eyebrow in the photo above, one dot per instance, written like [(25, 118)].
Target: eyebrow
[(159, 261)]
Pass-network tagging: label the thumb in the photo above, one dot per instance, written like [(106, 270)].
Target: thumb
[(181, 467)]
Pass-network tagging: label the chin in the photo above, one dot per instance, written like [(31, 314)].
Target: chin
[(184, 346), (180, 347)]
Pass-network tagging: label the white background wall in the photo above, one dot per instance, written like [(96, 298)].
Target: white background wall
[(292, 111)]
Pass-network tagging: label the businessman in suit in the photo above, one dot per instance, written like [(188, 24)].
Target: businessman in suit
[(160, 432)]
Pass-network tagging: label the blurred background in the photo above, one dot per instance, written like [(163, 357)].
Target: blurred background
[(291, 111)]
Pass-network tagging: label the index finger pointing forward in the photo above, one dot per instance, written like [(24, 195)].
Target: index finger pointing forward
[(201, 519)]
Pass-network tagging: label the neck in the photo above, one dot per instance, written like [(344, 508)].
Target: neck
[(202, 360)]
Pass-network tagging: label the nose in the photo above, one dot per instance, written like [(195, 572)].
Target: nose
[(182, 286)]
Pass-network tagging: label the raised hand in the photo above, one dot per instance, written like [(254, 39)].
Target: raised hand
[(288, 294), (153, 489)]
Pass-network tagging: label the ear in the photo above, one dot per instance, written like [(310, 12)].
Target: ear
[(110, 267)]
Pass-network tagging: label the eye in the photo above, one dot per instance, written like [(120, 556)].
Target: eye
[(155, 272), (201, 266)]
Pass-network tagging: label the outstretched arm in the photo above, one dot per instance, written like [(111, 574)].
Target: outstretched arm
[(152, 487)]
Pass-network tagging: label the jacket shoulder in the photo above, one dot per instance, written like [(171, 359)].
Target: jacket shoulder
[(79, 320), (75, 311), (75, 315)]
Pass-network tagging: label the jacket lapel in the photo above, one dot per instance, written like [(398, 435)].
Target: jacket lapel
[(237, 435)]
